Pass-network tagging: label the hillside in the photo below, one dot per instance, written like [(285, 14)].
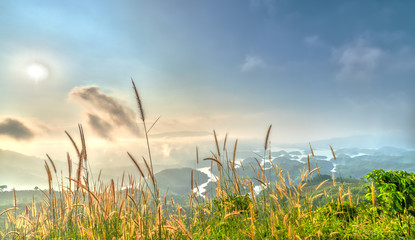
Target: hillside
[(20, 170)]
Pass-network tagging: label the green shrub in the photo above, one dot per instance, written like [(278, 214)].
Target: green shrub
[(233, 203), (397, 190)]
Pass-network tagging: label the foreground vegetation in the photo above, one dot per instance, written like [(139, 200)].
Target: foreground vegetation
[(310, 207)]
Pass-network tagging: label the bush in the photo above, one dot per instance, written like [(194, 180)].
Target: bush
[(397, 190)]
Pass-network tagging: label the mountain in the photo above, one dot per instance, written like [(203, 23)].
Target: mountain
[(21, 171), (26, 172), (363, 141), (178, 180), (349, 163), (116, 172)]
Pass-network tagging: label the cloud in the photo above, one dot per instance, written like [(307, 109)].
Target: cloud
[(182, 134), (252, 63), (358, 61), (104, 107), (15, 129), (100, 126)]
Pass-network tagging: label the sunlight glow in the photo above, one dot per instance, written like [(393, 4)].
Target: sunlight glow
[(37, 71)]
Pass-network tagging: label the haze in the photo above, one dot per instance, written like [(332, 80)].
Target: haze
[(314, 69)]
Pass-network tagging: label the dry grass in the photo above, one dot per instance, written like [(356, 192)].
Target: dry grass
[(285, 209)]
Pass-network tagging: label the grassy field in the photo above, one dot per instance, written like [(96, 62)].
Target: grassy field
[(311, 207)]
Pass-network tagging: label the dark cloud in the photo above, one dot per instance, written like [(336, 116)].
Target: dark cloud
[(104, 107), (100, 126), (15, 129)]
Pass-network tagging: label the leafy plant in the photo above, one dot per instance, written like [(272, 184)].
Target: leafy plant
[(286, 209), (397, 193), (397, 190), (344, 212), (233, 202)]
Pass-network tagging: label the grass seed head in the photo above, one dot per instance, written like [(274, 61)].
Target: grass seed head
[(140, 105), (267, 137)]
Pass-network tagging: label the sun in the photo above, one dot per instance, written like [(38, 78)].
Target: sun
[(37, 71)]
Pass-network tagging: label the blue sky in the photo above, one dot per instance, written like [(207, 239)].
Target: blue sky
[(313, 69)]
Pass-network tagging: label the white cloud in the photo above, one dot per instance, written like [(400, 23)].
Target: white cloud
[(358, 61), (252, 63)]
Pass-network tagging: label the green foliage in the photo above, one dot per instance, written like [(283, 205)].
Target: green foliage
[(233, 203), (23, 196), (331, 220), (344, 212), (397, 190), (291, 207)]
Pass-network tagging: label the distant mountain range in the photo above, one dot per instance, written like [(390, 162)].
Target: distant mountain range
[(21, 171), (349, 163), (26, 172), (363, 141)]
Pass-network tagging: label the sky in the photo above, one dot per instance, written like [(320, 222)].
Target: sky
[(313, 69)]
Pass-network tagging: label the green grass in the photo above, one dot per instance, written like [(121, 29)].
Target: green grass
[(308, 207)]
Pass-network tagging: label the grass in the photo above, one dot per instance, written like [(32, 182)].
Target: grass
[(310, 207)]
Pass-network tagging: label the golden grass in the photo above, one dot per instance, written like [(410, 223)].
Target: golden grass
[(136, 164), (74, 145), (267, 137), (197, 155), (321, 184), (134, 210), (49, 177), (216, 142), (140, 105), (214, 160), (52, 163), (312, 171), (69, 167), (312, 152), (332, 151), (234, 154), (251, 213), (191, 180)]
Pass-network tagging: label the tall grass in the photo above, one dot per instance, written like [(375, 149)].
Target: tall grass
[(286, 208)]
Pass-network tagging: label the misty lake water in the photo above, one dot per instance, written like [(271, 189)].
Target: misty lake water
[(321, 154)]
